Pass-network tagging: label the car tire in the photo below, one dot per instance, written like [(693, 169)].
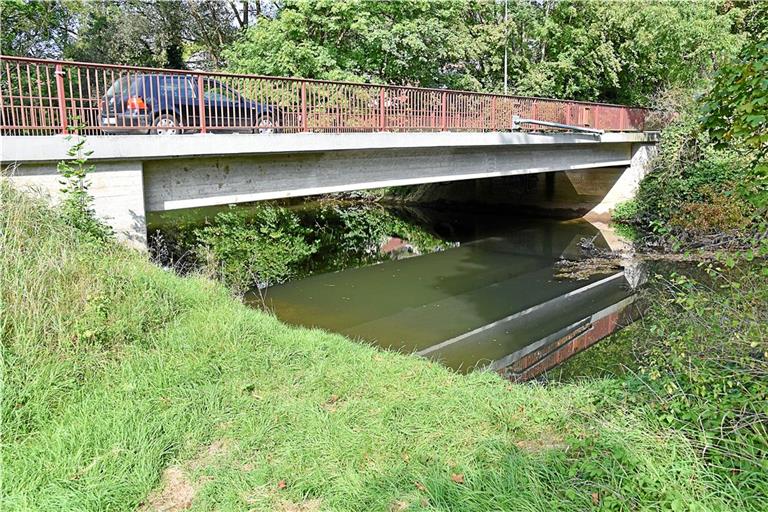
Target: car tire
[(265, 124), (166, 124)]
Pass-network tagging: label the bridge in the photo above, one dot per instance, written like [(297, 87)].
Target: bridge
[(242, 138)]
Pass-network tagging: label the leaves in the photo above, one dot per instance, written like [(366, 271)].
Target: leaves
[(579, 49)]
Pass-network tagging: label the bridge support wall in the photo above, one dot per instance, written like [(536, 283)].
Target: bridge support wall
[(195, 182), (117, 189)]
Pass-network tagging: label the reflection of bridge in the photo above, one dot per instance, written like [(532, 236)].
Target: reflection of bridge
[(334, 137)]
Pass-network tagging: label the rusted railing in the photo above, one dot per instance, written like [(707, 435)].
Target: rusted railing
[(43, 97)]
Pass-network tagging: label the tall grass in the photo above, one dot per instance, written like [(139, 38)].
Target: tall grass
[(126, 386)]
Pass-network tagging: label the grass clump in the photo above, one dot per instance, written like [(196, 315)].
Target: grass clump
[(127, 387)]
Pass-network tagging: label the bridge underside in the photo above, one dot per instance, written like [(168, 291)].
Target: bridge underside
[(139, 174), (194, 182)]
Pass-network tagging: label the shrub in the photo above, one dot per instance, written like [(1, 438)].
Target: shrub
[(625, 212), (263, 246)]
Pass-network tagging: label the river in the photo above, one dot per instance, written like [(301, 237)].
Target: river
[(467, 289)]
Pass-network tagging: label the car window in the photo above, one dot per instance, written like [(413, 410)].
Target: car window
[(177, 86), (125, 86), (173, 86), (220, 93)]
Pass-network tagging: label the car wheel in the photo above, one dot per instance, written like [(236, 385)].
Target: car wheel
[(265, 124), (166, 124)]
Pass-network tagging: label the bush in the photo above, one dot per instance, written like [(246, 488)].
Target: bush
[(262, 247), (625, 212), (694, 189), (705, 362)]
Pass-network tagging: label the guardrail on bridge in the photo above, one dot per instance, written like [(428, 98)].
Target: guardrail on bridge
[(44, 97)]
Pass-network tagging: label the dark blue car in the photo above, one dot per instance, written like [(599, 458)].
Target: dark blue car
[(170, 105)]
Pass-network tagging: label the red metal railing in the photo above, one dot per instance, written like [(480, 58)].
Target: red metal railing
[(43, 97)]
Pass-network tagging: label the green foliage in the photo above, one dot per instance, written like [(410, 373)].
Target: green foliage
[(706, 363), (147, 33), (417, 42), (268, 244), (33, 27), (710, 176), (263, 247), (77, 204), (589, 50), (698, 359), (625, 212), (736, 108), (695, 189), (631, 51), (581, 49)]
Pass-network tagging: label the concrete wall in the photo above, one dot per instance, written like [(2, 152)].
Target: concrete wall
[(626, 186), (591, 192), (117, 189), (194, 182)]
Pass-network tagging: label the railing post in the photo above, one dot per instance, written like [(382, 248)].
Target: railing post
[(493, 114), (382, 114), (597, 117), (304, 126), (568, 108), (61, 97), (201, 103), (444, 112)]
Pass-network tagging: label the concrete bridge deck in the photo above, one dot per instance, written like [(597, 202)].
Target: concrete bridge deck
[(136, 174)]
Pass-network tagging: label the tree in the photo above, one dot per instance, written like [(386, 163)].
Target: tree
[(626, 52), (736, 107), (34, 27), (581, 49), (417, 42), (166, 33), (735, 111)]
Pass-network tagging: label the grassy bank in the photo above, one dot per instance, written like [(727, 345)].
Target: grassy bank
[(125, 386)]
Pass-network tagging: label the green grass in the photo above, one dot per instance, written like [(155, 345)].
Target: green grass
[(123, 382)]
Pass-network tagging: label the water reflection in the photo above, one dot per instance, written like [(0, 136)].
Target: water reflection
[(467, 289), (489, 295)]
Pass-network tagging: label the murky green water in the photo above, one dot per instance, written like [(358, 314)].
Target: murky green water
[(468, 305), (465, 289)]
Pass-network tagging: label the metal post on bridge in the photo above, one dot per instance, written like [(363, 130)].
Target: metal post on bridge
[(61, 98), (444, 112), (304, 106), (201, 103), (382, 114), (493, 114)]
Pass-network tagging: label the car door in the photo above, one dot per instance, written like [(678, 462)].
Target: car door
[(175, 94)]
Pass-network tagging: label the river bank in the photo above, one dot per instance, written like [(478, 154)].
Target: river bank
[(127, 386)]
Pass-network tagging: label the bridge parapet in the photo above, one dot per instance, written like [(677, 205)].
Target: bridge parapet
[(45, 97)]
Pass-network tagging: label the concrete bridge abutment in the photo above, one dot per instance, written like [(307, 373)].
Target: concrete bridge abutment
[(117, 188)]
